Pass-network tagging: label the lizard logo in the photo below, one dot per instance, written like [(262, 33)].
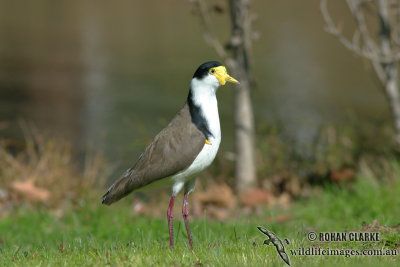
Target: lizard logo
[(277, 242)]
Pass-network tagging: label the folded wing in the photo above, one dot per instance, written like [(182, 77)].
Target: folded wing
[(172, 150)]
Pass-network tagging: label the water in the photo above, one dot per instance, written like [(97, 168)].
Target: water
[(113, 74)]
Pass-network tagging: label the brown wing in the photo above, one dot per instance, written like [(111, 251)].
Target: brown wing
[(171, 151)]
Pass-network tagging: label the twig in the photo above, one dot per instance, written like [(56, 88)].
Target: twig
[(370, 50), (376, 57), (210, 36), (383, 56)]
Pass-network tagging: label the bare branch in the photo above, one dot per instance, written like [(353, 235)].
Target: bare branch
[(370, 50), (210, 36), (332, 29), (376, 56), (397, 31), (382, 56), (355, 9)]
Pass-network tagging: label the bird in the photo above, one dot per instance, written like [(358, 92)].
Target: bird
[(183, 149)]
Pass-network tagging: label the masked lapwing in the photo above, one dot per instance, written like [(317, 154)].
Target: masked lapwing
[(183, 149)]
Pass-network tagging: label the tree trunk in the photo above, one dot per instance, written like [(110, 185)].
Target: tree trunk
[(390, 68), (245, 169), (392, 94)]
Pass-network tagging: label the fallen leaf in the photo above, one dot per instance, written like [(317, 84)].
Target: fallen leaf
[(218, 195), (279, 218), (30, 191), (255, 197), (284, 200), (218, 201), (342, 175)]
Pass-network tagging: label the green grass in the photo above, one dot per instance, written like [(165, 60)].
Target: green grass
[(94, 235)]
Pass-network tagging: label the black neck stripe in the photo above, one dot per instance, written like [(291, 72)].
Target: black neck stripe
[(197, 117)]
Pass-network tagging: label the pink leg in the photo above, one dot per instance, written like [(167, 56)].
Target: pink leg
[(185, 213), (170, 216)]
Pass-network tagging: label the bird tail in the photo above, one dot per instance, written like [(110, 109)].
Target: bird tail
[(121, 188)]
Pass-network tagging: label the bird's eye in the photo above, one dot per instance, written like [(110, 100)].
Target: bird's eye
[(212, 71)]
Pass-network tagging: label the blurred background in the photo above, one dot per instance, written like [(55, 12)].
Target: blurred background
[(109, 77), (113, 75)]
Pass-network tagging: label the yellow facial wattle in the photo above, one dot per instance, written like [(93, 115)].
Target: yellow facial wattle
[(222, 76)]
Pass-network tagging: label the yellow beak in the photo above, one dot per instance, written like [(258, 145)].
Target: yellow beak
[(223, 76)]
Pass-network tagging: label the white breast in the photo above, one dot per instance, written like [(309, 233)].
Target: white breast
[(201, 162)]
